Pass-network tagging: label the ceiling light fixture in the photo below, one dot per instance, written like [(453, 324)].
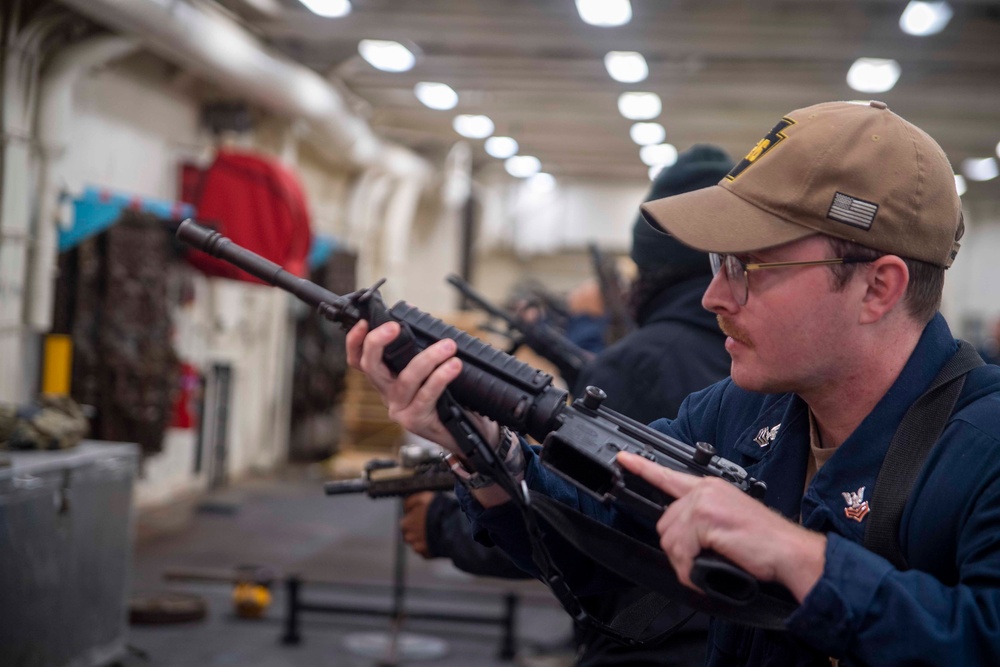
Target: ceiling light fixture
[(646, 134), (626, 66), (501, 147), (541, 183), (660, 155), (925, 18), (472, 126), (522, 166), (386, 55), (640, 106), (960, 186), (438, 96), (331, 9), (984, 169), (605, 13), (873, 75)]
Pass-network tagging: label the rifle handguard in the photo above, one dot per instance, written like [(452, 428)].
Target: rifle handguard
[(582, 440)]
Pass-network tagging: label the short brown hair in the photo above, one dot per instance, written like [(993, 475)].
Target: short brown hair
[(923, 293)]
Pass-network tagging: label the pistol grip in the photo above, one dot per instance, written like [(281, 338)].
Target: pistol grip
[(722, 580), (400, 351)]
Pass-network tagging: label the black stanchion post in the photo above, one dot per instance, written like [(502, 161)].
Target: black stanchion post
[(508, 640), (292, 636)]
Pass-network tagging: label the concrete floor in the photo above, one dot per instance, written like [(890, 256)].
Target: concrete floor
[(286, 523)]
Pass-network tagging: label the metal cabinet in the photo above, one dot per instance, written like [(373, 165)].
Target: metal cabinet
[(65, 554)]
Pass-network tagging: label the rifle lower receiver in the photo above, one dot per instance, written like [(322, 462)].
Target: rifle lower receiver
[(583, 448)]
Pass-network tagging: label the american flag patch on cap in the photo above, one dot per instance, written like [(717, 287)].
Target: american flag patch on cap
[(854, 212)]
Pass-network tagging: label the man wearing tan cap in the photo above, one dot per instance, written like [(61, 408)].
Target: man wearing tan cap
[(830, 242)]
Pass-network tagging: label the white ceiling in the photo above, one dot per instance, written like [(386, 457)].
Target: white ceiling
[(726, 71)]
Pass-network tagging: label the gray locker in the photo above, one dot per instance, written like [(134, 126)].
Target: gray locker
[(65, 554)]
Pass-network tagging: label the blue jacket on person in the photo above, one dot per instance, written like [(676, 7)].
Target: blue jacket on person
[(945, 610)]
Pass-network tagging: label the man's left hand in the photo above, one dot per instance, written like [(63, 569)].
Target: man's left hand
[(710, 514)]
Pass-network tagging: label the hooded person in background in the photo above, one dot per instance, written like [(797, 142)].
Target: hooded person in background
[(676, 349)]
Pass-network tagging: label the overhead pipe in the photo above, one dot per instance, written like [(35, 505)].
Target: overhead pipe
[(202, 39)]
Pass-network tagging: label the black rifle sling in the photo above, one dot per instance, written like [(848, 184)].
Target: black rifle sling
[(914, 438), (472, 443), (649, 568)]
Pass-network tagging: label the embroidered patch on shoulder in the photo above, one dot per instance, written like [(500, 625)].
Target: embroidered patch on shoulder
[(856, 508), (766, 435), (852, 211)]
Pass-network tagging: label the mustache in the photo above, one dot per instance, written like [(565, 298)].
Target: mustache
[(733, 331)]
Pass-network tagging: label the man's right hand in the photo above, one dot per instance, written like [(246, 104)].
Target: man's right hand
[(412, 395)]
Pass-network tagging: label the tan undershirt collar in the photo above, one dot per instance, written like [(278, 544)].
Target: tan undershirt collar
[(819, 454)]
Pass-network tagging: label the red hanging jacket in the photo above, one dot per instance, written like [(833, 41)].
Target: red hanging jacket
[(259, 204)]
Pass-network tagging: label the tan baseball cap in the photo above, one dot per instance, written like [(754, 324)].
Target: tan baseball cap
[(854, 170)]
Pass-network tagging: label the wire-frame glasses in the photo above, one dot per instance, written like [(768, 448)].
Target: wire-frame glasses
[(737, 270)]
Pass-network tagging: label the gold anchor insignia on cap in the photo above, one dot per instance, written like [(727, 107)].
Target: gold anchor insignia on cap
[(856, 507), (767, 435)]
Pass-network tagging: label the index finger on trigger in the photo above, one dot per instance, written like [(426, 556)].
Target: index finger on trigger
[(674, 483)]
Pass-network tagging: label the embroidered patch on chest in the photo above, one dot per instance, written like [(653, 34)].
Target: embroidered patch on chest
[(857, 507), (766, 435)]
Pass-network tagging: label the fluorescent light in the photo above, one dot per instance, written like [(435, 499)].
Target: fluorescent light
[(522, 166), (998, 149), (605, 13), (646, 134), (960, 185), (654, 171), (984, 169), (501, 147), (925, 18), (386, 55), (626, 66), (331, 9), (436, 95), (640, 106), (873, 75), (472, 126), (662, 155), (541, 182)]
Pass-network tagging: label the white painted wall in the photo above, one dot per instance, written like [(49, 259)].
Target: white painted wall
[(130, 132), (132, 128), (570, 216), (972, 284)]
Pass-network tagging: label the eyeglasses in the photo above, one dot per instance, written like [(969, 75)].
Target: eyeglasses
[(737, 270)]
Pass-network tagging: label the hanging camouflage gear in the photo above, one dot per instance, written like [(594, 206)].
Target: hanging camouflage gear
[(54, 422), (114, 301)]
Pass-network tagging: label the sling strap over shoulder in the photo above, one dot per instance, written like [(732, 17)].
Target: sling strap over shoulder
[(917, 433)]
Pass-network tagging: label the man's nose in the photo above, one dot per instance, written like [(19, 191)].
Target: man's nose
[(718, 297)]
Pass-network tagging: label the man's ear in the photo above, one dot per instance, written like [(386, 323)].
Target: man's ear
[(885, 286)]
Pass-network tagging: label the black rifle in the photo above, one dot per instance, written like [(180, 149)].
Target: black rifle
[(581, 440), (416, 470), (567, 356), (612, 294)]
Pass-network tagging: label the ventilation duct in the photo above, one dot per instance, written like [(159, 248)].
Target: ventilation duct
[(202, 39)]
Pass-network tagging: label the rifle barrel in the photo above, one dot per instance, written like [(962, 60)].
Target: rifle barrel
[(217, 245)]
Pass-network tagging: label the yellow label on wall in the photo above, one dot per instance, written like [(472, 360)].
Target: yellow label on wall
[(57, 364)]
